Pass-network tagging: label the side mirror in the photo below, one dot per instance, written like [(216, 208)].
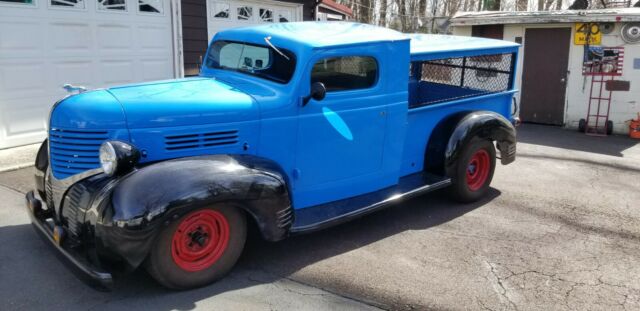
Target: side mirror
[(318, 92)]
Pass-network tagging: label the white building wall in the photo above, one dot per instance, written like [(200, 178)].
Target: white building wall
[(624, 105)]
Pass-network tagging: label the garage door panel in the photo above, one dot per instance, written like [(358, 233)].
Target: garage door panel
[(42, 47), (226, 14), (154, 69), (114, 37), (23, 39), (114, 72), (21, 77), (27, 119), (73, 72), (70, 37), (151, 38)]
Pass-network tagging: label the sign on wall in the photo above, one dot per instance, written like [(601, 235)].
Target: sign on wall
[(587, 33), (603, 61)]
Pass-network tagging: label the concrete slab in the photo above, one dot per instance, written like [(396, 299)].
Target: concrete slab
[(560, 230), (18, 157), (31, 278)]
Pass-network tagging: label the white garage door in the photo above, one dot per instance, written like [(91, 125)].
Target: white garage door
[(94, 43), (227, 14)]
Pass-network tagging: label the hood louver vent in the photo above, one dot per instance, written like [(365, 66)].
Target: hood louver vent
[(200, 140)]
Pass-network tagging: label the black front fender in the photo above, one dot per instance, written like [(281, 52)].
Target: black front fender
[(149, 199)]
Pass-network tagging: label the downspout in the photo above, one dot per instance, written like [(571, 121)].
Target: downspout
[(315, 10)]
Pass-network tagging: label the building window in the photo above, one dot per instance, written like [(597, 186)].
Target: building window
[(488, 31), (266, 15), (245, 13), (112, 5), (221, 9), (27, 2), (284, 16), (150, 6), (76, 4), (346, 73)]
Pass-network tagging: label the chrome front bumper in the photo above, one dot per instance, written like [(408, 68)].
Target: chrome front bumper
[(85, 271)]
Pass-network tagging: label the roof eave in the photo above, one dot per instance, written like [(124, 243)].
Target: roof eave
[(544, 17)]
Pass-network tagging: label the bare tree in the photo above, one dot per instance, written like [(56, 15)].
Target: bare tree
[(420, 15), (383, 13)]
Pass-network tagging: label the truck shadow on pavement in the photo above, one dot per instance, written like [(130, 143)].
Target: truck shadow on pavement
[(32, 278)]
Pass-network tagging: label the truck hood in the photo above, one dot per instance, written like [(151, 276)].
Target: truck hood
[(191, 101), (188, 102)]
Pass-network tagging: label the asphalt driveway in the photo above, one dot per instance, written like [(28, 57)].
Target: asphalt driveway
[(559, 231)]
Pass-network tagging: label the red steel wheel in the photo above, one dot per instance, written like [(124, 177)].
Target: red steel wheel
[(472, 171), (200, 239), (198, 248), (478, 169)]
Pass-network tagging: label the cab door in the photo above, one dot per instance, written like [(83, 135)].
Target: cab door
[(341, 138)]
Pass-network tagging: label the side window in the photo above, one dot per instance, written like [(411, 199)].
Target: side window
[(345, 73)]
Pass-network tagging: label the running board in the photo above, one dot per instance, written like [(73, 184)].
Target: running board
[(330, 214)]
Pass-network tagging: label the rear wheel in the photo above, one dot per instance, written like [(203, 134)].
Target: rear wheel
[(198, 249), (473, 172)]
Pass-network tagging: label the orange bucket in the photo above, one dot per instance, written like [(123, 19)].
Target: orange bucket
[(634, 128)]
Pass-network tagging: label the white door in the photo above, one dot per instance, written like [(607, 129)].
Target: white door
[(94, 43), (228, 14)]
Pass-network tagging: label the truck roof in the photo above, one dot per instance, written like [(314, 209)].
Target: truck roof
[(327, 34), (319, 34)]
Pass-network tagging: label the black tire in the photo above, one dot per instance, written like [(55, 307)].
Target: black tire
[(609, 127), (582, 125), (163, 266), (470, 188)]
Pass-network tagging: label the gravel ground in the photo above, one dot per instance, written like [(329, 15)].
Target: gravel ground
[(560, 230)]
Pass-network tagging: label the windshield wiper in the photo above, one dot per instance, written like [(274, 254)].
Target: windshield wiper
[(267, 40)]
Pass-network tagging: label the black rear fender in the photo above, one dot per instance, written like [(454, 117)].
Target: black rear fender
[(454, 132)]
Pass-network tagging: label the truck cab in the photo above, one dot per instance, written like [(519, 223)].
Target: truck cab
[(292, 127)]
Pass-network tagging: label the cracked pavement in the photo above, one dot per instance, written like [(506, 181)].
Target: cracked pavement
[(560, 230)]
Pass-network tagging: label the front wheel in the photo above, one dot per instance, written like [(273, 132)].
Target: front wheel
[(472, 173), (199, 248)]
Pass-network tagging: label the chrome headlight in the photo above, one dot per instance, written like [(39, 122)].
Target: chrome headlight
[(117, 157)]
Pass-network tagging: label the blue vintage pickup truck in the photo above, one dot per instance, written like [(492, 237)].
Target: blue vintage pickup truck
[(289, 128)]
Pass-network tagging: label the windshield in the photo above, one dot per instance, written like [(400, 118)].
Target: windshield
[(256, 60)]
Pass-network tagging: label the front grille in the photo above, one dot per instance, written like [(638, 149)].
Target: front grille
[(74, 151), (49, 194), (70, 210), (200, 140)]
